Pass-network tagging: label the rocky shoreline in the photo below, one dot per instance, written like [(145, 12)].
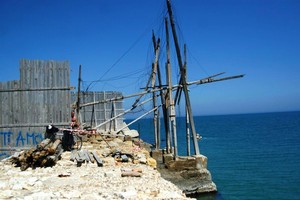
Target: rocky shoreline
[(66, 180)]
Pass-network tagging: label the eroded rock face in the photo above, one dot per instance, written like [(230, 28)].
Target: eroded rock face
[(189, 174), (67, 181)]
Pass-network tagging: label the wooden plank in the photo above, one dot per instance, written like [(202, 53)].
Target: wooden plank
[(10, 104), (61, 97), (78, 158), (87, 155), (19, 125), (82, 156), (98, 159), (73, 155), (130, 174)]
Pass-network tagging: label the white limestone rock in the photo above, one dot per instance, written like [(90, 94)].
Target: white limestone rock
[(39, 195), (6, 194)]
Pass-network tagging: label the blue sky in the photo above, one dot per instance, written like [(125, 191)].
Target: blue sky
[(110, 39)]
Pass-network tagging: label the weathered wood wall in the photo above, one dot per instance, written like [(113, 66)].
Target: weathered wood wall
[(99, 113), (39, 98)]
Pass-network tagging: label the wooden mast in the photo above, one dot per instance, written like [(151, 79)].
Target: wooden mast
[(184, 82), (163, 102), (78, 97), (153, 79), (171, 109), (188, 138)]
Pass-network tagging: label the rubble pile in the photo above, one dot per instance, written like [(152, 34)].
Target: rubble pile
[(127, 172)]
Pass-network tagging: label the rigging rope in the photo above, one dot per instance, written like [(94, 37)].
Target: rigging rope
[(90, 86)]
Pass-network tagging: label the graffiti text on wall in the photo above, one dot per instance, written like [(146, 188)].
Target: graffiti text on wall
[(20, 139)]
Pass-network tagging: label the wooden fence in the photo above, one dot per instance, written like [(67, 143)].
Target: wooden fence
[(28, 105), (43, 96)]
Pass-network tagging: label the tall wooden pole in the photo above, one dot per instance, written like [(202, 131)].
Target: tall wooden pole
[(95, 116), (151, 78), (164, 108), (186, 110), (155, 114), (78, 97), (169, 83), (154, 72), (163, 102), (171, 108), (185, 90), (114, 114)]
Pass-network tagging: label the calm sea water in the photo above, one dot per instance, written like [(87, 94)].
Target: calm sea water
[(250, 156)]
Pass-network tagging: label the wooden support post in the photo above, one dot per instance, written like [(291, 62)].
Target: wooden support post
[(111, 116), (155, 116), (95, 114), (151, 78), (171, 107), (78, 98), (157, 147), (184, 83), (92, 115), (114, 114), (163, 102), (154, 72), (104, 107), (169, 91), (188, 137)]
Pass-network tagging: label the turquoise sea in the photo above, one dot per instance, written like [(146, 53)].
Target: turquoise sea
[(250, 156)]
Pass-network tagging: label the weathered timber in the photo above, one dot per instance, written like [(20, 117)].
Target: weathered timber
[(54, 146), (82, 156), (168, 99), (98, 159), (91, 157), (43, 144), (184, 82), (43, 87), (123, 113), (73, 156), (78, 97), (131, 174), (78, 159), (37, 89), (45, 155), (87, 155), (58, 152), (139, 118)]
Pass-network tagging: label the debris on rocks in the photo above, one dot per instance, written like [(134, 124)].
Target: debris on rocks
[(45, 154), (136, 172), (105, 178)]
